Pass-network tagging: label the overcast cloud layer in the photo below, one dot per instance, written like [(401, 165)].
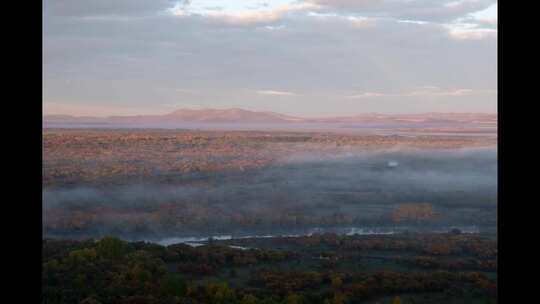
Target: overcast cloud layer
[(311, 57)]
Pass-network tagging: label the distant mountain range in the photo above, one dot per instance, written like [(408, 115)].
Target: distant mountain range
[(241, 116)]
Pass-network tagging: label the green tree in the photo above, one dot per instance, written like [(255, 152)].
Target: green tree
[(111, 248), (220, 293), (173, 285), (336, 281), (50, 266), (339, 298), (82, 256), (90, 300), (249, 299), (294, 298)]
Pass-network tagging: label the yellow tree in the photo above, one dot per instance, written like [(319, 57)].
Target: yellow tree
[(336, 281), (294, 299), (249, 299), (339, 298)]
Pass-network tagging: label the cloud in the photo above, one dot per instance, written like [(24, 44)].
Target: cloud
[(432, 91), (361, 22), (489, 23), (355, 21), (371, 94), (320, 53), (426, 91), (244, 16), (471, 32), (476, 26), (89, 109), (276, 93), (83, 8), (420, 10), (273, 27)]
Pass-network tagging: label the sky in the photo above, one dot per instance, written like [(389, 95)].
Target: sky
[(298, 57)]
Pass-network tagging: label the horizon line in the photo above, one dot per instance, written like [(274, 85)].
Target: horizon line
[(262, 111)]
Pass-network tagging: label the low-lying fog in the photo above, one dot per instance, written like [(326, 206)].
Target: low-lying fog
[(348, 191)]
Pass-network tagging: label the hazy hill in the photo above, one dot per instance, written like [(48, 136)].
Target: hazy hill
[(241, 116)]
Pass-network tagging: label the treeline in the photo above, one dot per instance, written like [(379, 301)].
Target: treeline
[(434, 244), (113, 271)]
